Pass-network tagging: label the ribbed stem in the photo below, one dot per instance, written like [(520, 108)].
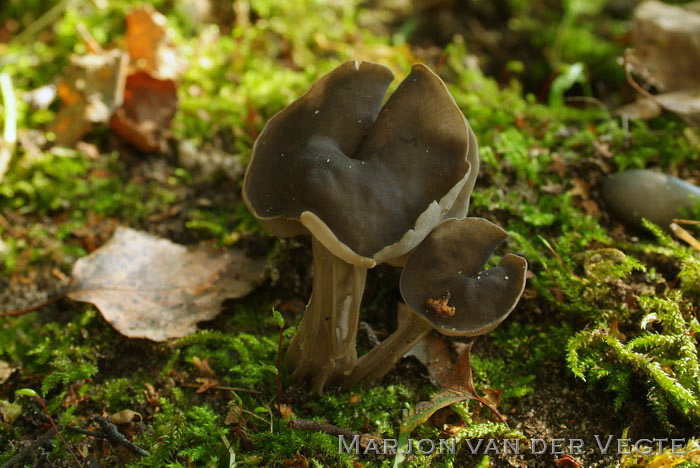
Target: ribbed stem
[(379, 361), (324, 348)]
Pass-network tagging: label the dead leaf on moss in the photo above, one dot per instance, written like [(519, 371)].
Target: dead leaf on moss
[(298, 461), (666, 54), (286, 411), (203, 366), (5, 372), (90, 89), (684, 103), (206, 383), (666, 40), (455, 378), (9, 412), (148, 110), (151, 288), (149, 44)]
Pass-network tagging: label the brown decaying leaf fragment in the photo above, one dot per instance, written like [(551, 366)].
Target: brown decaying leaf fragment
[(666, 54), (453, 377), (149, 45), (91, 88), (151, 288), (148, 110), (440, 306), (5, 371)]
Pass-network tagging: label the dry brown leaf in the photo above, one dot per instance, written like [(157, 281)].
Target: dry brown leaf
[(147, 287), (298, 461), (641, 109), (454, 378), (203, 366), (666, 39), (5, 372), (148, 110), (206, 383), (126, 416), (9, 412), (666, 54), (286, 411), (149, 45), (90, 89), (684, 103)]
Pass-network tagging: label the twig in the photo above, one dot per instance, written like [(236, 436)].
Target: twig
[(23, 456), (308, 425), (686, 221), (556, 255), (91, 43), (590, 100), (112, 434), (279, 369), (41, 22), (685, 235), (630, 79), (219, 387), (32, 394), (106, 434), (9, 138), (49, 301)]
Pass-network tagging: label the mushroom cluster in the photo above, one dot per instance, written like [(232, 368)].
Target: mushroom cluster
[(368, 182)]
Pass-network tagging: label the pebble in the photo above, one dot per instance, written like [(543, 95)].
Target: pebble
[(642, 193)]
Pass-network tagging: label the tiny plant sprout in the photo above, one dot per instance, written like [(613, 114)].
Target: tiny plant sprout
[(367, 181), (444, 286)]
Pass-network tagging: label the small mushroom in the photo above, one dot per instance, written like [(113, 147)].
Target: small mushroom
[(367, 182), (446, 270), (640, 193)]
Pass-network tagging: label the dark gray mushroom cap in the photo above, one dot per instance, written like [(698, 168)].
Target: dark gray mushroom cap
[(448, 264), (368, 181)]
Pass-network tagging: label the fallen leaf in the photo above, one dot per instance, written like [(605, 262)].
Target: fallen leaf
[(454, 378), (5, 372), (286, 411), (203, 366), (151, 395), (9, 412), (641, 109), (666, 41), (684, 103), (90, 89), (126, 417), (148, 110), (299, 460), (666, 54), (151, 288), (206, 383), (149, 44), (567, 461)]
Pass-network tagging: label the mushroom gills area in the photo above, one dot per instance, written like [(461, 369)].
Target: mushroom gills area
[(324, 347)]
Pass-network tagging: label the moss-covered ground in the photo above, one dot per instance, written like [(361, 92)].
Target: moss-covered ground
[(603, 342)]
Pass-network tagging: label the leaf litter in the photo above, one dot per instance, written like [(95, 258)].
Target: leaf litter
[(152, 288), (454, 378), (666, 55), (133, 90)]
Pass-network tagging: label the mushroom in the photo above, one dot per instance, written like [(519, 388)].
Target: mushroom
[(444, 287), (367, 182), (640, 193)]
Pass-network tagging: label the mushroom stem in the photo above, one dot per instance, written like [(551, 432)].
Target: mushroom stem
[(379, 361), (324, 347)]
